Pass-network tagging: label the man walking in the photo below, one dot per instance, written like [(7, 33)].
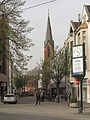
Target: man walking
[(38, 97)]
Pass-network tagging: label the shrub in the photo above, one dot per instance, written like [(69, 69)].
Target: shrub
[(73, 100)]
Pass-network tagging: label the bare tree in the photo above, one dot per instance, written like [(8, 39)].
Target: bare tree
[(57, 67), (14, 32), (46, 75)]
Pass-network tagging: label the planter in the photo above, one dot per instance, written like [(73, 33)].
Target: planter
[(73, 105)]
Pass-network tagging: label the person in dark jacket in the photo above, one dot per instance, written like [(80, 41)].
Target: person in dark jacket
[(37, 98)]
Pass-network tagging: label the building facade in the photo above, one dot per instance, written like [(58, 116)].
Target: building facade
[(4, 63), (4, 75), (80, 33)]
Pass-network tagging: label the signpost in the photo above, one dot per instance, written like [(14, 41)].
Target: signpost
[(78, 67)]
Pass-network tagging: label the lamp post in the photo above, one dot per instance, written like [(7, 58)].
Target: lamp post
[(78, 68)]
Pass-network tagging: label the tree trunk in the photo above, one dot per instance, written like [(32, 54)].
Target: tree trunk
[(57, 97)]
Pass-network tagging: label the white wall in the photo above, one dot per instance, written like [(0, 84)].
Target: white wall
[(89, 46)]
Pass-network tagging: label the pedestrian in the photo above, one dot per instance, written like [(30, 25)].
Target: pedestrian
[(42, 96), (38, 97)]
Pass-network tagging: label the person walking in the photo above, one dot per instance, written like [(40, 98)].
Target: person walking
[(38, 97)]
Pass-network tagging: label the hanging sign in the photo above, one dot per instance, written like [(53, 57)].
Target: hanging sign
[(78, 61), (78, 66)]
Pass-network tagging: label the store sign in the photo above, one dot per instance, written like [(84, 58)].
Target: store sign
[(77, 82), (77, 51), (88, 82), (78, 66), (78, 61)]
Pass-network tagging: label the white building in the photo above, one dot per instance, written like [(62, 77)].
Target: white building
[(80, 33)]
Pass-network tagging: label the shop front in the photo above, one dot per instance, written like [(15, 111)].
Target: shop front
[(86, 90)]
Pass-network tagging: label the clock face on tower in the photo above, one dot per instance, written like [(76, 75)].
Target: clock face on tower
[(77, 51)]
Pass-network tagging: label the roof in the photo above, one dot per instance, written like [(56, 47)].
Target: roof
[(48, 32), (88, 10), (75, 24), (82, 26)]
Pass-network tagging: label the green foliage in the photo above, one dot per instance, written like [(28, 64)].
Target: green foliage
[(18, 81)]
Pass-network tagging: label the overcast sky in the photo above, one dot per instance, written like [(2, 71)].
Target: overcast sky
[(61, 13)]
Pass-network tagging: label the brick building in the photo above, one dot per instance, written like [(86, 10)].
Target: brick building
[(48, 43)]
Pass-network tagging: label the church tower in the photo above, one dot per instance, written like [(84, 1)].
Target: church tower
[(48, 43)]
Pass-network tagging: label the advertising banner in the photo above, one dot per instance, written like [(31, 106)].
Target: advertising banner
[(78, 66)]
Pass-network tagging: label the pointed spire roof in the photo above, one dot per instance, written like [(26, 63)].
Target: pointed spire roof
[(48, 32)]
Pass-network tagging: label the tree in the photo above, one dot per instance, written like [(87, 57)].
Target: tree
[(44, 70), (18, 81), (46, 75), (68, 63), (14, 31), (57, 66)]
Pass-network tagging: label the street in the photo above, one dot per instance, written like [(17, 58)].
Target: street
[(11, 116), (26, 109)]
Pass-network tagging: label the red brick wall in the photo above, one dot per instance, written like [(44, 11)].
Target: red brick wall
[(46, 51)]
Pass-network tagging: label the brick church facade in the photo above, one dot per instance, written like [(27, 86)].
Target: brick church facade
[(48, 43)]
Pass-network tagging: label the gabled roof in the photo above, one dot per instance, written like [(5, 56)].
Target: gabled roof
[(75, 25), (82, 26), (87, 7)]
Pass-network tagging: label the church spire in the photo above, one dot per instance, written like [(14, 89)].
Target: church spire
[(48, 12), (48, 43), (48, 32)]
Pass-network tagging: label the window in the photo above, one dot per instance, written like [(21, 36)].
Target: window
[(75, 41), (48, 52), (71, 51), (71, 45), (0, 69), (71, 32), (79, 38), (84, 36)]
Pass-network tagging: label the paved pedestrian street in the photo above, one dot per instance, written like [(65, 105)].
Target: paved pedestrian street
[(27, 110)]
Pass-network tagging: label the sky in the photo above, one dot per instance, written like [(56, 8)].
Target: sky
[(61, 13)]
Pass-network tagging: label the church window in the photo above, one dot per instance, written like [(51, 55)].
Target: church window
[(48, 52)]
